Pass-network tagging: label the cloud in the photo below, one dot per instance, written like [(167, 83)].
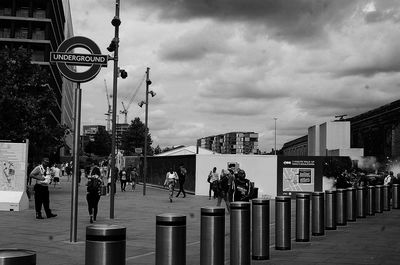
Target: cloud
[(195, 44), (290, 20)]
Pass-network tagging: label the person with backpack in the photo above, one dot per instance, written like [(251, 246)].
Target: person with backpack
[(225, 186), (93, 193)]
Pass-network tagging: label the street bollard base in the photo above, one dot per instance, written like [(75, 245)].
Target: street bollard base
[(318, 234), (341, 224), (302, 240), (352, 220), (260, 257), (363, 216), (330, 228), (282, 248)]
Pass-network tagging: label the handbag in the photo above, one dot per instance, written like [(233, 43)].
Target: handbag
[(103, 190)]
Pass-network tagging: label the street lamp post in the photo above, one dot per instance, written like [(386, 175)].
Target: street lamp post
[(116, 22), (275, 136), (146, 129)]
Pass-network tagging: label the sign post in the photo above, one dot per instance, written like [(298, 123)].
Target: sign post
[(95, 60)]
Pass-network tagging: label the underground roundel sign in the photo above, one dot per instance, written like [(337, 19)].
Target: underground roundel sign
[(64, 59)]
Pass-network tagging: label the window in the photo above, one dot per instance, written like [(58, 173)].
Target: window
[(5, 11), (5, 32), (39, 13), (38, 34), (23, 12), (21, 33)]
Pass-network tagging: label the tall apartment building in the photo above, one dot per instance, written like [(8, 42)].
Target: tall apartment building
[(41, 26), (119, 131), (231, 143)]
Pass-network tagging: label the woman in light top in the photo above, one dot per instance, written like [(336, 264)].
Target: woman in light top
[(170, 180)]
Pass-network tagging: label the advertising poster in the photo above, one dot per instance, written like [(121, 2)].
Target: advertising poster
[(13, 166), (299, 174)]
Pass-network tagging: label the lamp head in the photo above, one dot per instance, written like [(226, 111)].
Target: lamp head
[(152, 93), (116, 21), (141, 103), (112, 46)]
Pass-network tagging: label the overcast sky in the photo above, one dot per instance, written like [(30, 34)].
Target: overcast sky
[(231, 65)]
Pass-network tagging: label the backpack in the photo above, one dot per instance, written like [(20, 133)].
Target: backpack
[(224, 183), (94, 186)]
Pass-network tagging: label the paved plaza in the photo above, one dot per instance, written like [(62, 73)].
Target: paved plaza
[(373, 240)]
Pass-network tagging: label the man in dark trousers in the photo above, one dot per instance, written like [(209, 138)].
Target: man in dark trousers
[(182, 172), (41, 189)]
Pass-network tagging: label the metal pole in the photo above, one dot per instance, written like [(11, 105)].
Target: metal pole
[(170, 239), (146, 132), (275, 136), (282, 222), (74, 200), (114, 112), (212, 236), (302, 217), (240, 244)]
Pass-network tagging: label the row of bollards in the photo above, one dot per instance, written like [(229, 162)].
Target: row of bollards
[(249, 227)]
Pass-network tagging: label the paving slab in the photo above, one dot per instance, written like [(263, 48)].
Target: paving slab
[(371, 240)]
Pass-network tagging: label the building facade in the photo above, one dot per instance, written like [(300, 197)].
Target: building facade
[(377, 132), (231, 143), (41, 26), (120, 129)]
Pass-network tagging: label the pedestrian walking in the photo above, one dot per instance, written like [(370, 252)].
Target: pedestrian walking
[(133, 176), (170, 181), (93, 193), (56, 174), (123, 179), (182, 172), (213, 180), (41, 189)]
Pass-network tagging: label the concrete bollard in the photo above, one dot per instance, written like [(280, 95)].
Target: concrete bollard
[(318, 209), (240, 233), (341, 209), (330, 210), (371, 200), (170, 239), (351, 204), (396, 196), (260, 229), (379, 198), (212, 236), (361, 202), (14, 256), (302, 217), (282, 222), (386, 197), (105, 245)]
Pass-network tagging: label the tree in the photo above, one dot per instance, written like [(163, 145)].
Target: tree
[(157, 150), (134, 138), (26, 103), (101, 145)]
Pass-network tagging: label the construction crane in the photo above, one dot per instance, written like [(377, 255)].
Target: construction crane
[(125, 112), (109, 111), (134, 93)]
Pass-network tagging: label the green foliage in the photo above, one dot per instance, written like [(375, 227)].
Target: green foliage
[(134, 138), (101, 145), (26, 103), (157, 150)]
